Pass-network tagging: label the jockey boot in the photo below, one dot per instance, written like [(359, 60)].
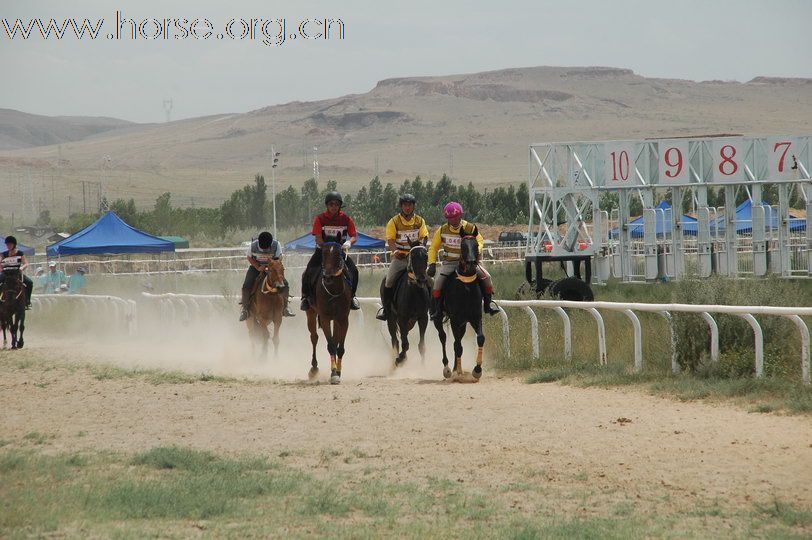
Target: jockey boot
[(246, 294), (438, 314), (383, 314), (305, 305), (489, 306), (28, 291)]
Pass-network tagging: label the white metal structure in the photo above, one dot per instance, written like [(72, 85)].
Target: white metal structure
[(566, 181)]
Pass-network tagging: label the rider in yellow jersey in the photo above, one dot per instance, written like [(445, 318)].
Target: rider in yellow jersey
[(403, 229), (448, 238)]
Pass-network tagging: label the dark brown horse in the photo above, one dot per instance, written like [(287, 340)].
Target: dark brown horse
[(267, 303), (12, 308), (333, 295), (410, 304), (463, 303)]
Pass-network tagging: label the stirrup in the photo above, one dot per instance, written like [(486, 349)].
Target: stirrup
[(287, 312), (383, 314), (244, 315), (355, 304), (491, 308), (305, 305)]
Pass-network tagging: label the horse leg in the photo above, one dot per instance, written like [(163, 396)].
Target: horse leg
[(480, 342), (441, 334), (22, 329), (392, 325), (314, 339), (403, 325), (5, 339), (422, 324), (264, 335), (14, 323), (459, 332), (341, 328), (277, 322), (326, 329)]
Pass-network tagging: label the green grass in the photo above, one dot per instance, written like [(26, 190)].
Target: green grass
[(175, 491), (758, 395)]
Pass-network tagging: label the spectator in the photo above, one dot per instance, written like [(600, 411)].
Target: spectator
[(54, 278), (77, 281), (40, 280)]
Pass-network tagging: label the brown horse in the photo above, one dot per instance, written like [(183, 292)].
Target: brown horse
[(333, 295), (266, 305)]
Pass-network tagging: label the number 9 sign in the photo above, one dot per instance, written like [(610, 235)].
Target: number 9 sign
[(674, 162)]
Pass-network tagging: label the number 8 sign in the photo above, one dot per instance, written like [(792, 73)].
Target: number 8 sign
[(728, 160), (673, 162), (780, 153)]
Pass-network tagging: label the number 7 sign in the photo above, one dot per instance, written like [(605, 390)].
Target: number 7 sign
[(780, 152)]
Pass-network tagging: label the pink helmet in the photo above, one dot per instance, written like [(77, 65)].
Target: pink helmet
[(452, 210)]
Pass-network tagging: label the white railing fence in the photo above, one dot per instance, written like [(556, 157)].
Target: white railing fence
[(117, 309), (746, 312)]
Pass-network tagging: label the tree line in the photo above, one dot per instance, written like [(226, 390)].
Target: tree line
[(251, 207)]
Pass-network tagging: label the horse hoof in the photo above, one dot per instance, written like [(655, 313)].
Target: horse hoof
[(313, 373), (447, 372), (477, 372), (335, 379), (399, 361)]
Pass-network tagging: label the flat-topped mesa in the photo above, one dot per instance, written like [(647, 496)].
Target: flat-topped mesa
[(779, 80)]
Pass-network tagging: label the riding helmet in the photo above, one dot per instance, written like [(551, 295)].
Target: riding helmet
[(265, 239), (407, 198), (452, 210), (333, 196)]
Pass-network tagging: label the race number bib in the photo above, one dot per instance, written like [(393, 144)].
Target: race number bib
[(12, 261), (333, 230), (406, 237), (452, 240)]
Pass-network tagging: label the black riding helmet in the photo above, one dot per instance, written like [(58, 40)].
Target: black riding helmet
[(265, 239), (407, 198), (11, 240), (333, 196)]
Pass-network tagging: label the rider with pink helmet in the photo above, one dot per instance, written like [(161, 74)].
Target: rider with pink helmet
[(448, 238)]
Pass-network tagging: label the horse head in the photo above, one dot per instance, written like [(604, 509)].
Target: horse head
[(469, 253), (12, 289), (332, 258), (276, 273), (417, 263)]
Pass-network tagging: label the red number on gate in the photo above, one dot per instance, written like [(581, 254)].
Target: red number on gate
[(618, 165), (786, 145), (678, 163), (728, 159)]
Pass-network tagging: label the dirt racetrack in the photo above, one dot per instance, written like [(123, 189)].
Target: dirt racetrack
[(617, 445)]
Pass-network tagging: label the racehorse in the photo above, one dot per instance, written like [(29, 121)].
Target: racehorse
[(267, 303), (410, 302), (12, 308), (463, 304), (333, 298)]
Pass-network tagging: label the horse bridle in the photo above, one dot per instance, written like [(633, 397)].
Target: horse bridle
[(274, 286), (330, 277), (462, 264), (409, 268)]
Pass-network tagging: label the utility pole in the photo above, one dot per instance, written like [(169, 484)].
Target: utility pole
[(274, 162), (69, 197), (315, 165)]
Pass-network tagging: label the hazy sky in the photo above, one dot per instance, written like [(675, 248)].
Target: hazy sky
[(129, 79)]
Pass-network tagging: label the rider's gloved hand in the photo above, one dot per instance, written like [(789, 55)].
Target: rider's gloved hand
[(432, 269), (346, 245)]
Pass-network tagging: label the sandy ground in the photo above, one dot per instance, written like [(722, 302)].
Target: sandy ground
[(410, 425)]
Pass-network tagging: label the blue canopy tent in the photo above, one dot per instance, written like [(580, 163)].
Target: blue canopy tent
[(110, 234), (26, 250), (662, 223), (744, 220), (308, 242)]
